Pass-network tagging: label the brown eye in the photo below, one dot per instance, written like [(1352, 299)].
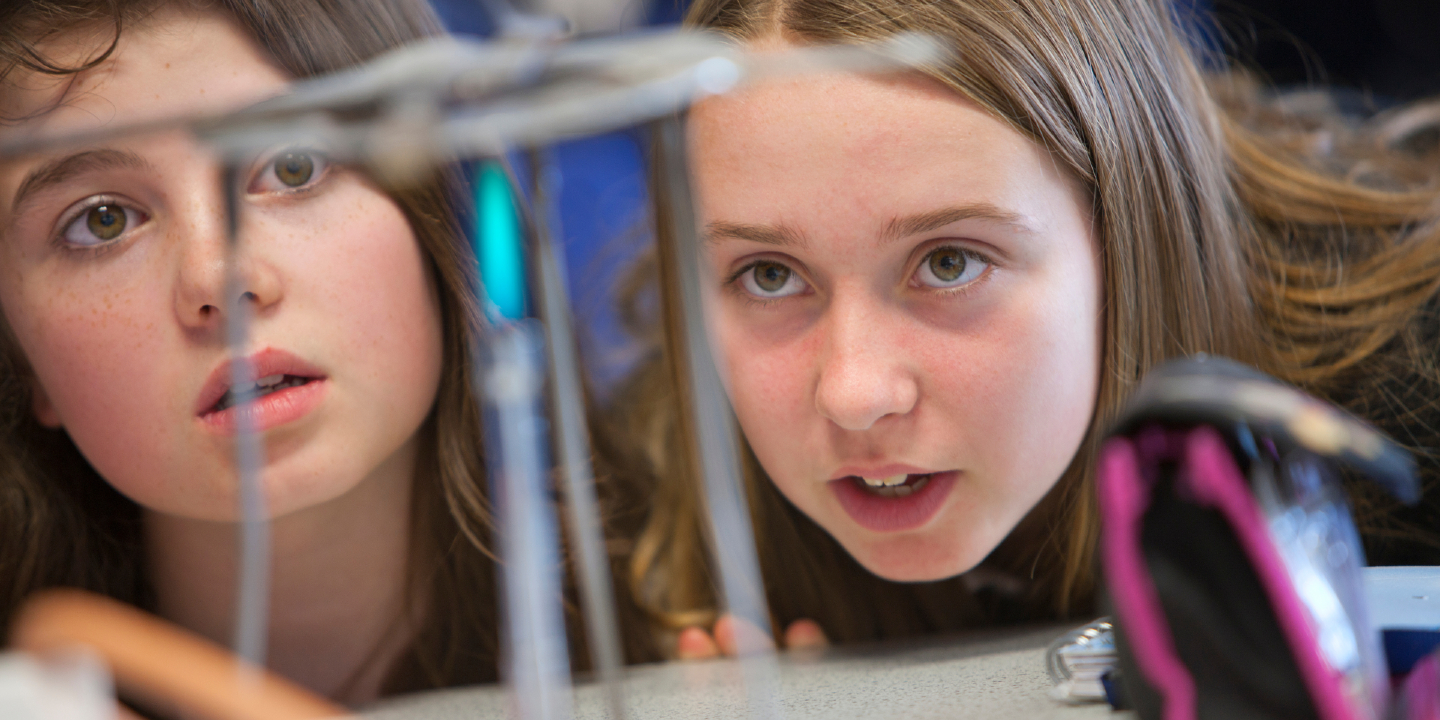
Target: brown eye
[(771, 280), (294, 169), (950, 267), (948, 264), (771, 277), (106, 222)]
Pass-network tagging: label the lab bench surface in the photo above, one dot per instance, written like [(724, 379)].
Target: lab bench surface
[(996, 674)]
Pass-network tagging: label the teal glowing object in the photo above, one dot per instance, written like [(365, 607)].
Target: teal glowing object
[(500, 242)]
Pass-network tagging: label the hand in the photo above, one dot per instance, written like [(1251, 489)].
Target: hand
[(695, 643)]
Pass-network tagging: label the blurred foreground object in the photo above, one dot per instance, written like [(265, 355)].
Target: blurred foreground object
[(1078, 660), (1229, 551), (71, 685), (158, 662)]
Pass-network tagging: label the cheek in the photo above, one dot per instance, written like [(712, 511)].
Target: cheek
[(1028, 383), (769, 377), (773, 378), (377, 291), (94, 342)]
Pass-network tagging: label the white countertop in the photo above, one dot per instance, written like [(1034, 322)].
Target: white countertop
[(995, 674)]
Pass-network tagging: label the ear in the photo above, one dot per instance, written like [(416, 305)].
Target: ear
[(40, 404)]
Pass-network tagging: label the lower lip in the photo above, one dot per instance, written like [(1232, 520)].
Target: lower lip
[(269, 411), (894, 514)]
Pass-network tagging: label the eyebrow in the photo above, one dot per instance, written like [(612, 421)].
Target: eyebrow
[(898, 228), (60, 170), (927, 222), (778, 235)]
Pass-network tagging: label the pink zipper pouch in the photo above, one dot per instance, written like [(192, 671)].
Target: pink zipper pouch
[(1231, 562)]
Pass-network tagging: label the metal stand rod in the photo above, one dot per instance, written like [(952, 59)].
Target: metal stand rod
[(573, 447), (252, 599), (742, 589), (537, 661)]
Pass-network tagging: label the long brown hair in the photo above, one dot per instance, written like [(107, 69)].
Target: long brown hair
[(1214, 237), (62, 524)]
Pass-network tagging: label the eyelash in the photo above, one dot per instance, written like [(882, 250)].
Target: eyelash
[(321, 171), (81, 210), (970, 254), (322, 166), (733, 281)]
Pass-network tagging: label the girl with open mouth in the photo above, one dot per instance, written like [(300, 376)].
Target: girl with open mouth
[(933, 290)]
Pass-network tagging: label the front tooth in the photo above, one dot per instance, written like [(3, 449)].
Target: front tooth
[(891, 481), (269, 380)]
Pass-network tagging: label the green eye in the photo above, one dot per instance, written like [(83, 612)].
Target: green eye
[(294, 169), (951, 267), (771, 281), (771, 277), (947, 264), (106, 222)]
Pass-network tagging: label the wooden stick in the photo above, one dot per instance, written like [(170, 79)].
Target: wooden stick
[(158, 660)]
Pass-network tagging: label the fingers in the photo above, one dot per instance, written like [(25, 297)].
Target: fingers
[(737, 636), (725, 635), (695, 644), (732, 636), (805, 634)]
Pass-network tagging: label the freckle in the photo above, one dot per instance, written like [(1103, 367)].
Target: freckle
[(167, 66)]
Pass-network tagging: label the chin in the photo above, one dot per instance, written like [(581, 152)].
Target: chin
[(914, 559)]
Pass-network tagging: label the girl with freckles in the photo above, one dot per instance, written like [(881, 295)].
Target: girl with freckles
[(932, 292), (116, 420)]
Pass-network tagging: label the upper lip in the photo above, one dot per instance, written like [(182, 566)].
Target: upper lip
[(270, 361), (879, 471)]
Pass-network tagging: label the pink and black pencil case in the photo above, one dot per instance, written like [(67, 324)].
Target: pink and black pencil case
[(1230, 558)]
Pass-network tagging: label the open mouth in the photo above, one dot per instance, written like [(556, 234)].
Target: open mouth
[(262, 387), (895, 503), (893, 486), (287, 388)]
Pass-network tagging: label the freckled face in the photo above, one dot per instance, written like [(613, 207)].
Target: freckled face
[(113, 283), (906, 289)]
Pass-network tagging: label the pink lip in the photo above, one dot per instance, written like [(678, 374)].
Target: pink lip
[(272, 410), (893, 514)]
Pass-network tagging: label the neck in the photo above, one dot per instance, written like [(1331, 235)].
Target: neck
[(338, 580)]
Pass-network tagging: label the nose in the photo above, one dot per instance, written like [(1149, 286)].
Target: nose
[(864, 373), (201, 297)]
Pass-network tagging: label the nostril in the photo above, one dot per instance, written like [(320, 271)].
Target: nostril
[(207, 310), (250, 296)]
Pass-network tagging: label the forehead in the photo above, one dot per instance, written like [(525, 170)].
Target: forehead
[(890, 140), (873, 104), (176, 62)]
